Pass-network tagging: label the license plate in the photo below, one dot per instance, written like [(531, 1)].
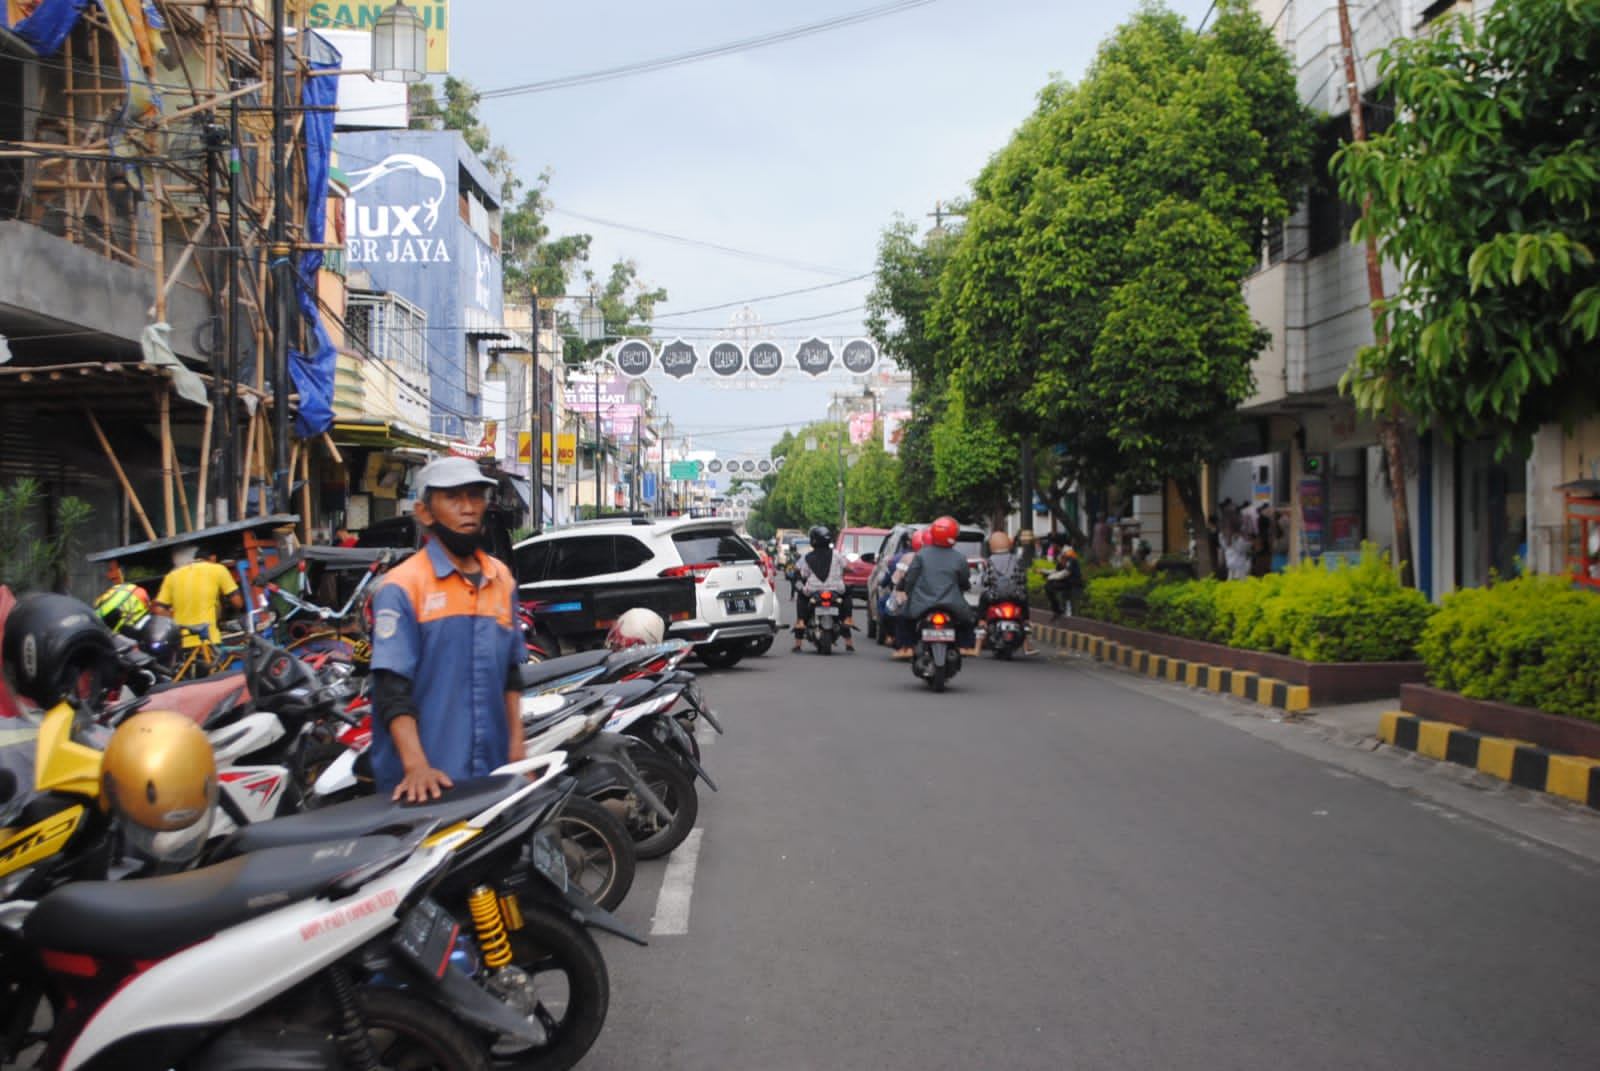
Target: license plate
[(938, 635), (549, 860), (827, 617), (740, 606), (426, 937)]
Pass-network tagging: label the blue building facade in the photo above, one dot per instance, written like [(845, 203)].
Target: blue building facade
[(422, 221)]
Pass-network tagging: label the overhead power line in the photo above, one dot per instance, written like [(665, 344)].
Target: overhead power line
[(681, 240), (763, 297), (712, 52)]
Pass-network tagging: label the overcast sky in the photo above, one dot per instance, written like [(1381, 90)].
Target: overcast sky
[(797, 154)]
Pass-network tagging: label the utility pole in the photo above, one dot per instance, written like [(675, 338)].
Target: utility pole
[(279, 261), (536, 422), (1388, 425)]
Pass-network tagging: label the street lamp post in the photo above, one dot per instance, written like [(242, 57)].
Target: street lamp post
[(664, 432), (638, 395), (838, 415)]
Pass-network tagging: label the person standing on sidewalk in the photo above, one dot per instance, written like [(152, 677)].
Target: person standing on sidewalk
[(447, 699)]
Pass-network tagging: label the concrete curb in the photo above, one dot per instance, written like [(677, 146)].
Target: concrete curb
[(1242, 684), (1527, 765)]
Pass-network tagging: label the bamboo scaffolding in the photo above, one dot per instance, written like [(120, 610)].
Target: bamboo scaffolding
[(249, 460), (205, 465), (122, 477), (166, 462)]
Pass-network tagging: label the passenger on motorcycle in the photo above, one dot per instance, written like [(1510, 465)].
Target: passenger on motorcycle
[(1006, 580), (822, 570), (896, 629), (936, 580)]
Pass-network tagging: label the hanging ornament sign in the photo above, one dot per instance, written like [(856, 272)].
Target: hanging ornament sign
[(634, 358), (678, 359), (859, 356), (726, 360), (814, 357), (765, 359)]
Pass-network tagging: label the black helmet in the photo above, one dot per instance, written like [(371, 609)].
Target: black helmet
[(56, 647), (161, 639), (821, 536)]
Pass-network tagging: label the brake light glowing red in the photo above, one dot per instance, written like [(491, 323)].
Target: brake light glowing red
[(939, 620), (699, 571)]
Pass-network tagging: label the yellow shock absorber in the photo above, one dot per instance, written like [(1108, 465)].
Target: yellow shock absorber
[(511, 911), (492, 939)]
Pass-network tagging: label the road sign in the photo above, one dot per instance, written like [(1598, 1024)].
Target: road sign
[(647, 487), (685, 470)]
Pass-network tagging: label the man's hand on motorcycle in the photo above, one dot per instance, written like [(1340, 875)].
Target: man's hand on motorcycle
[(424, 783)]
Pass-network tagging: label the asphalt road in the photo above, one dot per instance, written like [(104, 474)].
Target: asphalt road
[(1052, 866)]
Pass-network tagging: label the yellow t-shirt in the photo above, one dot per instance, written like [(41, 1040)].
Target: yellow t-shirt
[(194, 593)]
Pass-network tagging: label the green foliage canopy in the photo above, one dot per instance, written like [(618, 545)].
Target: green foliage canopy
[(1483, 191)]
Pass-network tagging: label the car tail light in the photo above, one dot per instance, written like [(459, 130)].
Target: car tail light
[(698, 571), (939, 620)]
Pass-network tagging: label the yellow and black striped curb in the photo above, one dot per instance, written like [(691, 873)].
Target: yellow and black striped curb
[(1572, 777), (1252, 687)]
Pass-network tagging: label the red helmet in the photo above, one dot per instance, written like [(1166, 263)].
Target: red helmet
[(943, 532), (919, 539)]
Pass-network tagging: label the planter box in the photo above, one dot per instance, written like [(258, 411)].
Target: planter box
[(1329, 682), (1571, 736)]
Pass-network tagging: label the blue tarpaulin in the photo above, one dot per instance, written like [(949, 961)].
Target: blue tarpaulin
[(313, 374), (47, 26)]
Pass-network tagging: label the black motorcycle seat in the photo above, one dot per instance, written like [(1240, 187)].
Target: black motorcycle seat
[(537, 674), (153, 917), (371, 815)]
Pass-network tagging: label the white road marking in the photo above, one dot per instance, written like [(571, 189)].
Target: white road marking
[(677, 889)]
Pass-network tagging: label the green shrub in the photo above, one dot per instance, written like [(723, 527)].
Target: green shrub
[(1183, 608), (1351, 613), (1529, 641), (1103, 596)]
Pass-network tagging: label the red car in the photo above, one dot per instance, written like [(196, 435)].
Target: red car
[(853, 543)]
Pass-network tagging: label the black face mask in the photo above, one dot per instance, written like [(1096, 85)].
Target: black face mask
[(461, 544)]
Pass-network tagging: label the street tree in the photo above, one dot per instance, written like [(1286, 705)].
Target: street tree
[(974, 461), (905, 286), (1482, 192), (1096, 289), (872, 487)]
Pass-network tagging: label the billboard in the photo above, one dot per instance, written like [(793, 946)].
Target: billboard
[(364, 16)]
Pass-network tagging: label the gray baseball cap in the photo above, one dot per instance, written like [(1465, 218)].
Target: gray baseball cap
[(445, 472)]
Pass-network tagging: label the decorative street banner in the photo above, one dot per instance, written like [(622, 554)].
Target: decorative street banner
[(860, 428), (764, 466), (859, 356), (714, 466), (727, 359), (814, 356), (678, 358), (765, 359), (635, 358)]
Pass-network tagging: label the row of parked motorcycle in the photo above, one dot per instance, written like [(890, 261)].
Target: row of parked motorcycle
[(281, 915)]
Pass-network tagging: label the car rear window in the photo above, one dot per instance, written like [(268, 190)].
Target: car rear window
[(970, 544), (712, 545)]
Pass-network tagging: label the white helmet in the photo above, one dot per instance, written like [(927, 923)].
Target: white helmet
[(636, 626)]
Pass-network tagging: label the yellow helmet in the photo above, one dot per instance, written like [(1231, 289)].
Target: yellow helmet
[(159, 777)]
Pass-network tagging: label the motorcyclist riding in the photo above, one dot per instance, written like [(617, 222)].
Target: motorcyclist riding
[(1006, 580), (822, 570), (936, 579)]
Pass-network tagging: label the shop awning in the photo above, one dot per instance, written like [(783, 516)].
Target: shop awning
[(383, 435), (216, 533)]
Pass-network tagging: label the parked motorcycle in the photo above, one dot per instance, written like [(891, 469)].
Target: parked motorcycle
[(1005, 628), (936, 658)]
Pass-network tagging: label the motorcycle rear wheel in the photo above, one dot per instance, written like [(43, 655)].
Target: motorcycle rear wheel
[(653, 836), (600, 855), (936, 676)]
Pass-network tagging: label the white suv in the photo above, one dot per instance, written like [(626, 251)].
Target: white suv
[(582, 577)]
